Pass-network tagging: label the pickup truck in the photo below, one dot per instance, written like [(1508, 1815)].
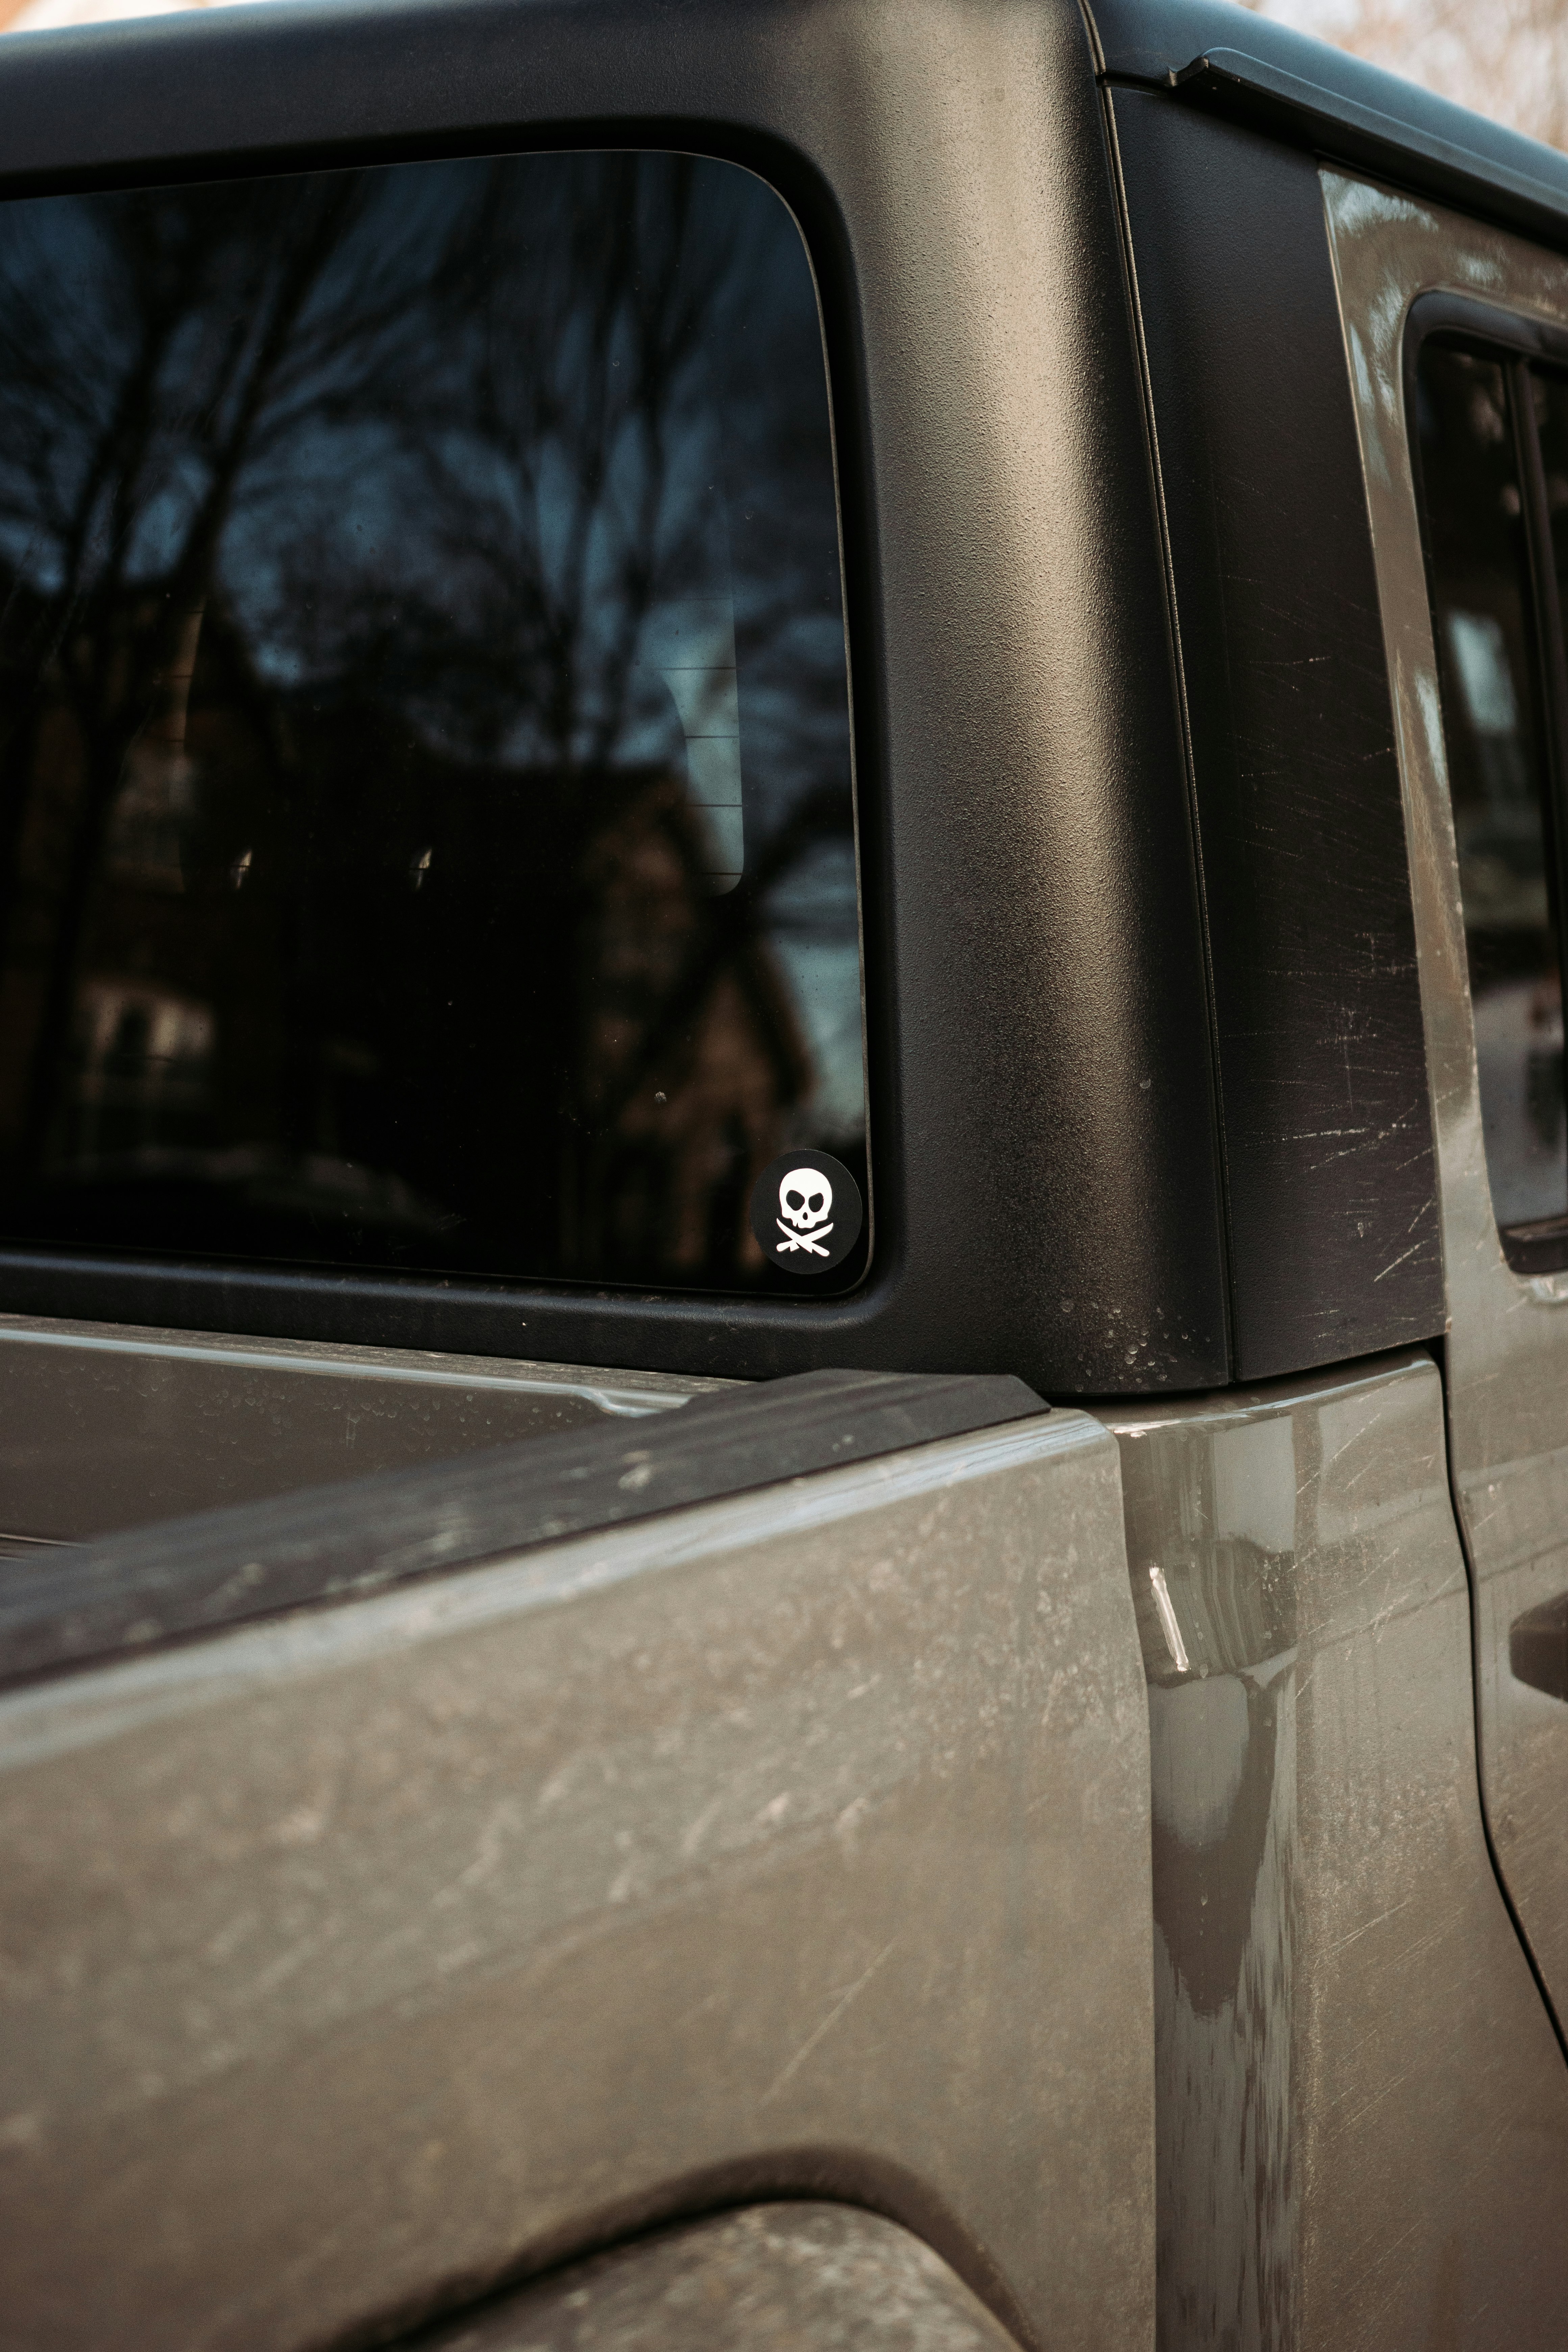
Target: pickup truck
[(783, 1185)]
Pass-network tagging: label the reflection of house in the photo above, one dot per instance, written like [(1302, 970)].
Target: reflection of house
[(141, 1058), (689, 1111), (502, 1009)]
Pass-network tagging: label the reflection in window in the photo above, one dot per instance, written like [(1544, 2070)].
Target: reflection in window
[(425, 825), (1494, 729)]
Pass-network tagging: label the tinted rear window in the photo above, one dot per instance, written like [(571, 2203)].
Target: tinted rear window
[(426, 836)]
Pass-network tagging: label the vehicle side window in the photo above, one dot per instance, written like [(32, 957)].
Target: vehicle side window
[(1493, 466), (426, 836)]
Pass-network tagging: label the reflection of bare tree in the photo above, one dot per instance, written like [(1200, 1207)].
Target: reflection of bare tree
[(406, 466), (92, 458), (582, 364)]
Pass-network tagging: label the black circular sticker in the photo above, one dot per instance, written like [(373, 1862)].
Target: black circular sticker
[(805, 1213)]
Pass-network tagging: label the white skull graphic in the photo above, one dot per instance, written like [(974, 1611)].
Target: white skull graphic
[(805, 1198)]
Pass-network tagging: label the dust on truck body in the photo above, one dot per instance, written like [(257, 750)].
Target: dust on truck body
[(783, 1185)]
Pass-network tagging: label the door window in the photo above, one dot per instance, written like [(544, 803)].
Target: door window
[(1493, 459)]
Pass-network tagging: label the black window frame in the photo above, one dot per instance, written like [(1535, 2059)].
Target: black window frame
[(1520, 346)]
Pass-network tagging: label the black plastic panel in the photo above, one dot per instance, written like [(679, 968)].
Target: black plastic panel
[(1043, 1153), (217, 1569), (1332, 1180)]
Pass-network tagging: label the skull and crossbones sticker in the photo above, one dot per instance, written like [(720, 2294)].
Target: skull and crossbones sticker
[(805, 1213), (804, 1200)]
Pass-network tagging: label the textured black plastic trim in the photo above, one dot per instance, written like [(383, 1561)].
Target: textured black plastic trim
[(183, 1578), (1330, 1171)]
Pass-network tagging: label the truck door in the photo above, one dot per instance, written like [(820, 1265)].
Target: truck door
[(417, 1881), (1462, 406)]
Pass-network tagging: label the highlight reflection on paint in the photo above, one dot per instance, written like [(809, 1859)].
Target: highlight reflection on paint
[(1174, 1641)]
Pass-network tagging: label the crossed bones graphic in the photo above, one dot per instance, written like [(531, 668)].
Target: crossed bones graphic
[(799, 1241)]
